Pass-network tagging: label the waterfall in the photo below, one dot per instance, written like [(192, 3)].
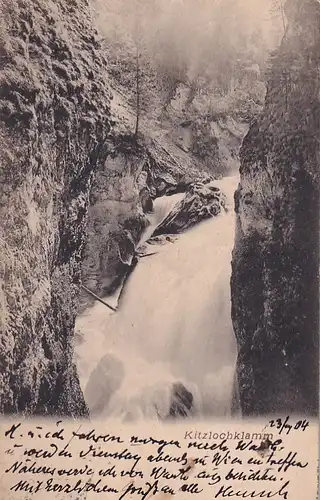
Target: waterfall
[(161, 208), (173, 331)]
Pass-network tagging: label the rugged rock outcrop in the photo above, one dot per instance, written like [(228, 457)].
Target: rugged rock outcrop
[(276, 256), (54, 116), (116, 217), (181, 401), (199, 203), (211, 138)]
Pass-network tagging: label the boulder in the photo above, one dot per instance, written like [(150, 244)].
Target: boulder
[(182, 401), (163, 239), (146, 200), (165, 184)]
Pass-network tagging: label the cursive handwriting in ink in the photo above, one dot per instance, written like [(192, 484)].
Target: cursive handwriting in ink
[(92, 436), (192, 488), (249, 446), (285, 425), (118, 455), (130, 489), (285, 463), (228, 492), (182, 459), (162, 442), (79, 487), (11, 432), (163, 473), (252, 475), (221, 446), (230, 469)]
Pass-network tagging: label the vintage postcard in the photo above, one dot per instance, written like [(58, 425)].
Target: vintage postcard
[(159, 249)]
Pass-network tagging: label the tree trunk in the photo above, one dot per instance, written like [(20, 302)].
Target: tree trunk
[(138, 91)]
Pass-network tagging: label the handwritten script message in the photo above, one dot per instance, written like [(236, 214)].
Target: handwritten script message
[(65, 460)]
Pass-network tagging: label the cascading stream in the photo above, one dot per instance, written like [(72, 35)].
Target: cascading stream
[(161, 208), (173, 328)]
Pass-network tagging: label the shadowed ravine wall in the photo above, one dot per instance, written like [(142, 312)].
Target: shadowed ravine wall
[(275, 300)]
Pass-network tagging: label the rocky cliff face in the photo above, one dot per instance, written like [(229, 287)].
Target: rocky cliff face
[(276, 257), (54, 117), (122, 196), (116, 217)]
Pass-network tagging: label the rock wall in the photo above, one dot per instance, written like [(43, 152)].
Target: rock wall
[(275, 280), (54, 118), (116, 217)]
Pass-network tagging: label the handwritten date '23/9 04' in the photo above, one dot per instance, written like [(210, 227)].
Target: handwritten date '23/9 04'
[(284, 425)]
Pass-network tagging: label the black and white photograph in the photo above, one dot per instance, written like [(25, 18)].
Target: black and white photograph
[(159, 190)]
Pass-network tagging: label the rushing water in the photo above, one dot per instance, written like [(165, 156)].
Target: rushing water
[(173, 325), (161, 208)]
